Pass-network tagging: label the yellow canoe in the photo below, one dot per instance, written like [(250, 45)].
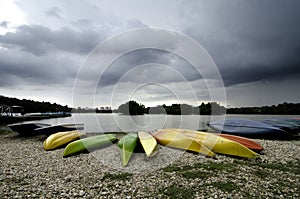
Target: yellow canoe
[(216, 143), (175, 139), (59, 139), (148, 142)]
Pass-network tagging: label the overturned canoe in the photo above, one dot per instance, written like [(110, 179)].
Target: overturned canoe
[(48, 130), (217, 144), (173, 138), (30, 129), (26, 129), (127, 145), (148, 142), (247, 128), (87, 144), (250, 144), (61, 138)]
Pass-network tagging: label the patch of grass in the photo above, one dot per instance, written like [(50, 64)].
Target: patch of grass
[(196, 174), (177, 168), (4, 131), (225, 186), (121, 176), (261, 173), (174, 192), (213, 166), (14, 180), (292, 167)]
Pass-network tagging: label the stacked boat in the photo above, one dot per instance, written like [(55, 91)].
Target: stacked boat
[(204, 143)]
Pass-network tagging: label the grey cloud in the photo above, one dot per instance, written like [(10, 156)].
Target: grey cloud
[(27, 69), (149, 65), (249, 40), (54, 12), (4, 24), (40, 40)]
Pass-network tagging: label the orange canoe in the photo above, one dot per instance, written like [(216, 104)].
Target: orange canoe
[(250, 144)]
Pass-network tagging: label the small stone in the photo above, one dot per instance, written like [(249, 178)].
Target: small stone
[(81, 193)]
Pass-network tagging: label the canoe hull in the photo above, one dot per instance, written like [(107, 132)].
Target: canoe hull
[(60, 139), (174, 139), (87, 144), (218, 144), (247, 128), (148, 142), (127, 145)]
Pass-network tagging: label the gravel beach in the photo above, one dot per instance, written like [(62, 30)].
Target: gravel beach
[(28, 171)]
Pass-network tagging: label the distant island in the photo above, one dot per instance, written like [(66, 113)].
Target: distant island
[(135, 108)]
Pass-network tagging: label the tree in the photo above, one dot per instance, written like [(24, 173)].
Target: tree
[(132, 108)]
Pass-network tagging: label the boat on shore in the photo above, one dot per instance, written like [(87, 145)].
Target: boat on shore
[(14, 118), (30, 129), (250, 128)]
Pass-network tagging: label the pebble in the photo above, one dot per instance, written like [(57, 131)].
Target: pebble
[(26, 169), (81, 193)]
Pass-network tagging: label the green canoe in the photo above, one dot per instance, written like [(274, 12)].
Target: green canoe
[(127, 145), (89, 143)]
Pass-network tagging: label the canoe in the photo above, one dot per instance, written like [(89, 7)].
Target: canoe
[(127, 145), (30, 129), (61, 138), (26, 129), (88, 144), (250, 144), (48, 130), (247, 128), (148, 142), (217, 144), (175, 139), (291, 127)]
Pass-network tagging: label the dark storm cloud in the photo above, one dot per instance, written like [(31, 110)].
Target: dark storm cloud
[(54, 12), (4, 24), (27, 69), (149, 65), (40, 40), (249, 40)]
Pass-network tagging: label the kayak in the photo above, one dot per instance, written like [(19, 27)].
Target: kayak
[(127, 145), (30, 129), (88, 144), (26, 129), (247, 128), (48, 130), (291, 127), (217, 144), (148, 142), (250, 144), (173, 138), (61, 138)]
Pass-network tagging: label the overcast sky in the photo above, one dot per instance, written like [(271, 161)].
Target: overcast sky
[(45, 44)]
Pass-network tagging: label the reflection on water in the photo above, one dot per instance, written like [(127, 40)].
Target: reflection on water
[(115, 123)]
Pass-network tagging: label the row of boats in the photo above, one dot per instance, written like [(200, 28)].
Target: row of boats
[(232, 141)]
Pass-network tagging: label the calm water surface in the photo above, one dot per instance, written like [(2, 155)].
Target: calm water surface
[(115, 123)]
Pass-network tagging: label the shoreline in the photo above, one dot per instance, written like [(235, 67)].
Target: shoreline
[(27, 170)]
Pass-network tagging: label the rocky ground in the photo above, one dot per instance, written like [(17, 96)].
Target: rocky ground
[(27, 170)]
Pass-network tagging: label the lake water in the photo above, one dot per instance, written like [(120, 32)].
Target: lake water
[(115, 123)]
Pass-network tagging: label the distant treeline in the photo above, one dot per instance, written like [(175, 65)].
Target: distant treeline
[(211, 108), (30, 106), (280, 109), (91, 110), (134, 108)]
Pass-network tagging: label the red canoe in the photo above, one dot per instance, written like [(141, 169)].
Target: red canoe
[(250, 144)]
